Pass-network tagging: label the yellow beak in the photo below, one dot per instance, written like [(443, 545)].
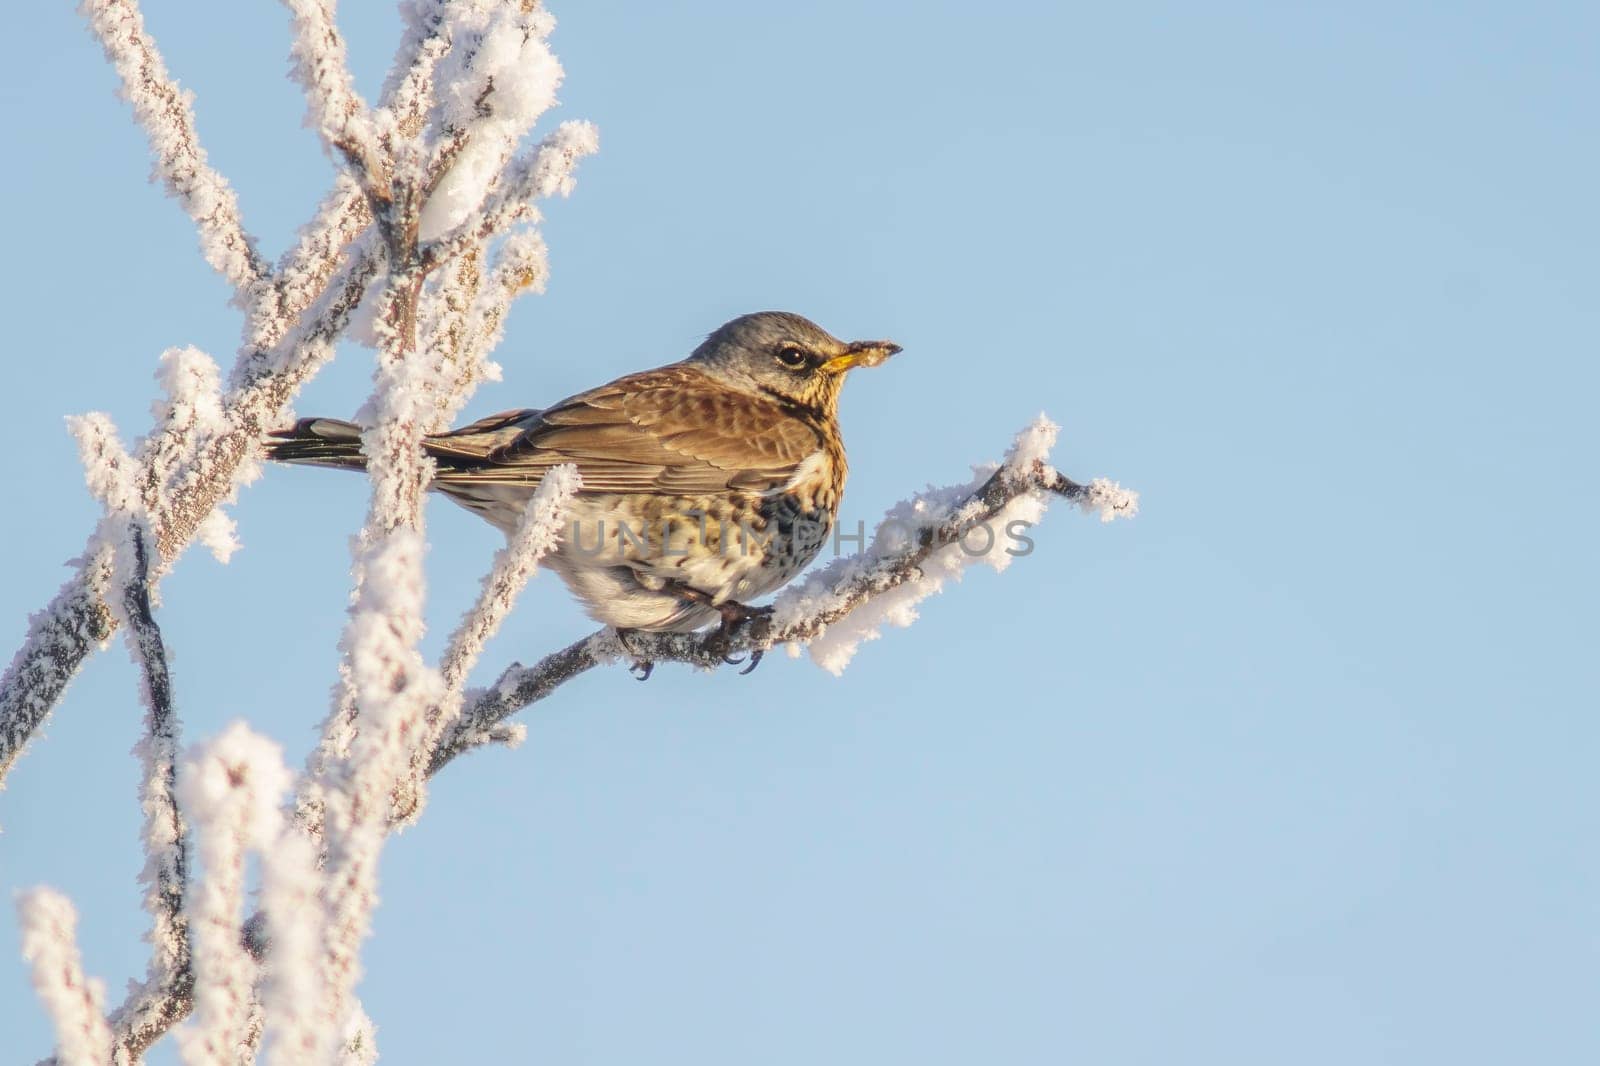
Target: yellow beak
[(860, 353)]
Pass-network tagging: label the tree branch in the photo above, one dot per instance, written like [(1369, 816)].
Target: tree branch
[(163, 110), (334, 107), (77, 620), (543, 172), (49, 942), (204, 447), (518, 687), (59, 638), (285, 346), (166, 993)]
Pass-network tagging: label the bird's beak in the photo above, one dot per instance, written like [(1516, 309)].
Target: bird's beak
[(860, 353)]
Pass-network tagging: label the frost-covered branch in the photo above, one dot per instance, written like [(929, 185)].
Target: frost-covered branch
[(195, 476), (302, 276), (522, 264), (223, 462), (232, 786), (300, 325), (469, 80), (75, 1003), (463, 315), (380, 727), (920, 544), (408, 90), (491, 82), (156, 1003), (496, 80), (334, 108), (544, 172), (166, 113), (292, 320), (430, 227), (535, 537), (59, 638), (930, 539), (294, 921), (387, 687), (163, 997)]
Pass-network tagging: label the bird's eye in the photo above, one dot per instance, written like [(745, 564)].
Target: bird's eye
[(791, 358)]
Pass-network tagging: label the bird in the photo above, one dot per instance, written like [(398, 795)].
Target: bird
[(705, 483)]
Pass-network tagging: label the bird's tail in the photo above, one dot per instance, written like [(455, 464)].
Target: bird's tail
[(319, 442)]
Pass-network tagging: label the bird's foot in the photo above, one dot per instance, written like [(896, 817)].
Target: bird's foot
[(736, 617), (642, 668)]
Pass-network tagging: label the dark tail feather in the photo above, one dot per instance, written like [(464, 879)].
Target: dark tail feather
[(319, 442)]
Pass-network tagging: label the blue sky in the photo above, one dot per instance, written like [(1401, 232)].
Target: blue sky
[(1298, 766)]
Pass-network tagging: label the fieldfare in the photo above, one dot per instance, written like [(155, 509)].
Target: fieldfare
[(707, 483)]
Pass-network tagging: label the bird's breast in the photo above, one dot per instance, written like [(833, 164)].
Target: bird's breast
[(817, 483)]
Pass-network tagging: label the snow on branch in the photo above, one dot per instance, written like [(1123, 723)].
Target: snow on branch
[(189, 416), (952, 527), (60, 636), (295, 314), (108, 470), (544, 172), (221, 464), (922, 543), (469, 80), (167, 115), (496, 80), (302, 277), (164, 995), (536, 536), (381, 706), (523, 263), (290, 331), (334, 108), (232, 787), (122, 541), (75, 1003), (408, 90), (431, 221), (387, 689), (464, 315), (444, 313), (295, 923)]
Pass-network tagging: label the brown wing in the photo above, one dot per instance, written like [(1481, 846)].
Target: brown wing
[(673, 430)]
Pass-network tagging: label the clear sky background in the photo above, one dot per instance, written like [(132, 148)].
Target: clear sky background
[(1299, 766)]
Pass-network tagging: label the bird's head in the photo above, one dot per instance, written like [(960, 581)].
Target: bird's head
[(788, 358)]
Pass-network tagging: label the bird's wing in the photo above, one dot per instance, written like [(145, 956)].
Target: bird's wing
[(672, 430)]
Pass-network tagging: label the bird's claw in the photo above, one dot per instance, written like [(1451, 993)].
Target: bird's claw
[(757, 621), (642, 668), (718, 645)]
